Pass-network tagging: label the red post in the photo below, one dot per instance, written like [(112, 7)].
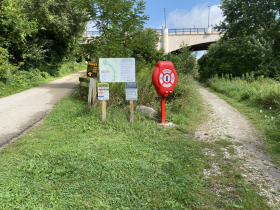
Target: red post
[(162, 109)]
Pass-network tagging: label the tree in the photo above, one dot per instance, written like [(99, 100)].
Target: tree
[(15, 27), (119, 22), (250, 41), (60, 24), (145, 45), (245, 18), (237, 56)]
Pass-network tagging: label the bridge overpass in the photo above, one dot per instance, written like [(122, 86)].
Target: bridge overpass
[(171, 39)]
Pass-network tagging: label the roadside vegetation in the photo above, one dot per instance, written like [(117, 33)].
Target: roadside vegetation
[(244, 65), (23, 80), (74, 160), (38, 42)]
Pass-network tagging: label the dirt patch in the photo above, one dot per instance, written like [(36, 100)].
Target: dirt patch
[(242, 144)]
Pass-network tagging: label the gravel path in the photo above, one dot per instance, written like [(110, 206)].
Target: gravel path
[(226, 121), (20, 111)]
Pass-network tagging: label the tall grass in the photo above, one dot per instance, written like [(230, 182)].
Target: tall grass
[(260, 91)]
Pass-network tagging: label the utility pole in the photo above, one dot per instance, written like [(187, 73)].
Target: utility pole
[(208, 15), (164, 18)]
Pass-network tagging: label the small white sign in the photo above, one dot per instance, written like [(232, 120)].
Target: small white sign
[(103, 92), (131, 91)]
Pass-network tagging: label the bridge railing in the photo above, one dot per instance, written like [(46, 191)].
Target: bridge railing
[(93, 33), (186, 30), (160, 31)]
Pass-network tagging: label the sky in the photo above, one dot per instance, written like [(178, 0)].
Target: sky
[(182, 14)]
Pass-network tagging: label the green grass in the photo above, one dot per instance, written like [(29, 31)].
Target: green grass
[(26, 80), (77, 161), (261, 106)]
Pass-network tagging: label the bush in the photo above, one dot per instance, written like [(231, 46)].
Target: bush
[(239, 56)]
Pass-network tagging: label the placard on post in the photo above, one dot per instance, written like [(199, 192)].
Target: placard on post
[(117, 69), (103, 95), (103, 91), (131, 94), (92, 69)]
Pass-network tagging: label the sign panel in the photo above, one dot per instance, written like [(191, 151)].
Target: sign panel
[(92, 69), (117, 69), (131, 93), (103, 91)]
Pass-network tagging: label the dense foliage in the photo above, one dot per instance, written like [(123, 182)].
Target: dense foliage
[(39, 34), (250, 40), (121, 25), (39, 37)]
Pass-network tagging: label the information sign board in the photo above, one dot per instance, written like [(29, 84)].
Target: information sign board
[(103, 91), (92, 69), (131, 93), (117, 69)]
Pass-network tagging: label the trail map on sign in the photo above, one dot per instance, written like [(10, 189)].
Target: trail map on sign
[(117, 69)]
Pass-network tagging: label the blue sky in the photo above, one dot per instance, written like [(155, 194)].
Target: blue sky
[(182, 13)]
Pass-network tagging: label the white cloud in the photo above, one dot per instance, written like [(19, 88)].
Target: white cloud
[(197, 17)]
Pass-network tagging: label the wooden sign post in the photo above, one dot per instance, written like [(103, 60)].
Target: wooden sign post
[(103, 110), (92, 70)]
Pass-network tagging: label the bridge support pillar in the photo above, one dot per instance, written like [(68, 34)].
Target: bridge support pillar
[(208, 30), (165, 40)]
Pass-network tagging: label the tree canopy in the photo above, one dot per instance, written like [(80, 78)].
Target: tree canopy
[(41, 33), (121, 24), (251, 40)]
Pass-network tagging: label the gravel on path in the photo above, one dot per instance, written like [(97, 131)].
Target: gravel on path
[(226, 121)]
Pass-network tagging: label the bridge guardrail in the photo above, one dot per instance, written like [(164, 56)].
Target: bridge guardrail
[(93, 33), (160, 31)]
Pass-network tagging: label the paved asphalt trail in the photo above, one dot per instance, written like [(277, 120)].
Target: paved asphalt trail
[(20, 111)]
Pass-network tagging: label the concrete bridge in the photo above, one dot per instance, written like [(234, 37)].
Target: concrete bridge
[(172, 39)]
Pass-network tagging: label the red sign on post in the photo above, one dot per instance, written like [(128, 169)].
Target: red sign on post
[(164, 79)]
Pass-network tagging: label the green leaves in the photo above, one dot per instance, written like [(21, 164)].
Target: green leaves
[(250, 43), (41, 33), (244, 18), (121, 23)]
